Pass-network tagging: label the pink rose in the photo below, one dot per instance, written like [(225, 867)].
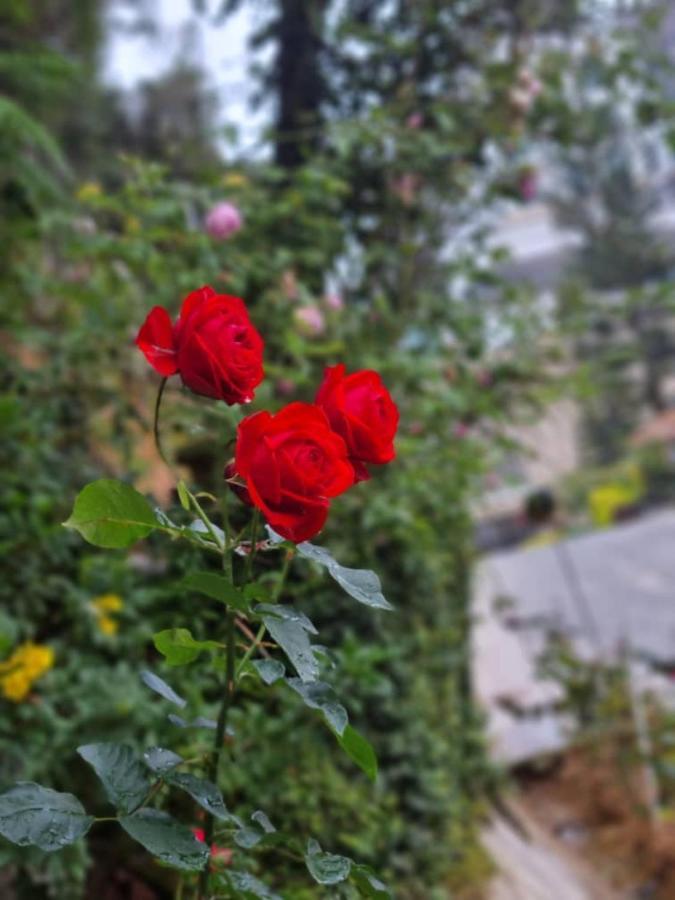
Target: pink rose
[(223, 221), (334, 302), (310, 321)]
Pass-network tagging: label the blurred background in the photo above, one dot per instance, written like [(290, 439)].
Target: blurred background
[(475, 198)]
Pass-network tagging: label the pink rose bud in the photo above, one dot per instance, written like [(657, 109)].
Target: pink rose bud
[(223, 221), (415, 120), (460, 430), (310, 321), (334, 302)]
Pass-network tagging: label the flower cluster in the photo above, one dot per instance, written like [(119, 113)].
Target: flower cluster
[(26, 664), (291, 464), (103, 608)]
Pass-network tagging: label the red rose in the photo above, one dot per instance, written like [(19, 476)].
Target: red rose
[(292, 463), (213, 346), (360, 409)]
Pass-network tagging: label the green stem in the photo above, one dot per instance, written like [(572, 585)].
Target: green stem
[(158, 403), (261, 631), (228, 693)]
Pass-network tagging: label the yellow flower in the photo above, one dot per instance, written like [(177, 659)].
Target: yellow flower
[(132, 224), (88, 191), (103, 606), (27, 663), (15, 687), (108, 603), (235, 180), (108, 625)]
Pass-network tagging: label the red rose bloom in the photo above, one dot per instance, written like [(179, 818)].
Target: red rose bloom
[(213, 346), (360, 410), (293, 464)]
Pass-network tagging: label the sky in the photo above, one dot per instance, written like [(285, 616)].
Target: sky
[(220, 50)]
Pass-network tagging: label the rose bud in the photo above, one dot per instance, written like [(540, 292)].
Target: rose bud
[(360, 409), (293, 464), (213, 346), (223, 221)]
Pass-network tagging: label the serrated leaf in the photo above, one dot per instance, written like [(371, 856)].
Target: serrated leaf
[(217, 587), (249, 886), (120, 771), (319, 695), (32, 815), (361, 584), (109, 513), (160, 760), (159, 686), (326, 868), (369, 884), (289, 629), (270, 670), (178, 646), (168, 840), (203, 792), (359, 750)]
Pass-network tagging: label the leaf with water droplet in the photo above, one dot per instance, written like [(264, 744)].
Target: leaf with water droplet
[(249, 886), (289, 629), (168, 840), (32, 815), (204, 792), (326, 868), (319, 695), (361, 584), (160, 760), (159, 686), (270, 670), (121, 772)]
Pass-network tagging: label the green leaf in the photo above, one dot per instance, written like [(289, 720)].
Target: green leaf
[(159, 686), (168, 840), (160, 760), (32, 815), (248, 837), (199, 722), (361, 584), (250, 887), (121, 772), (319, 695), (369, 884), (217, 587), (263, 820), (326, 868), (270, 670), (110, 513), (359, 750), (289, 629), (179, 647), (203, 792), (183, 494)]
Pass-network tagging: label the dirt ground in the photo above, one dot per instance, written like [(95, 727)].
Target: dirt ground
[(583, 835)]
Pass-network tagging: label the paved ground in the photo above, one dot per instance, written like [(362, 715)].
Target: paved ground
[(609, 590), (538, 868)]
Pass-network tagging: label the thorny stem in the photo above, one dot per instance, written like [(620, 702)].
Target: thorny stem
[(261, 631)]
